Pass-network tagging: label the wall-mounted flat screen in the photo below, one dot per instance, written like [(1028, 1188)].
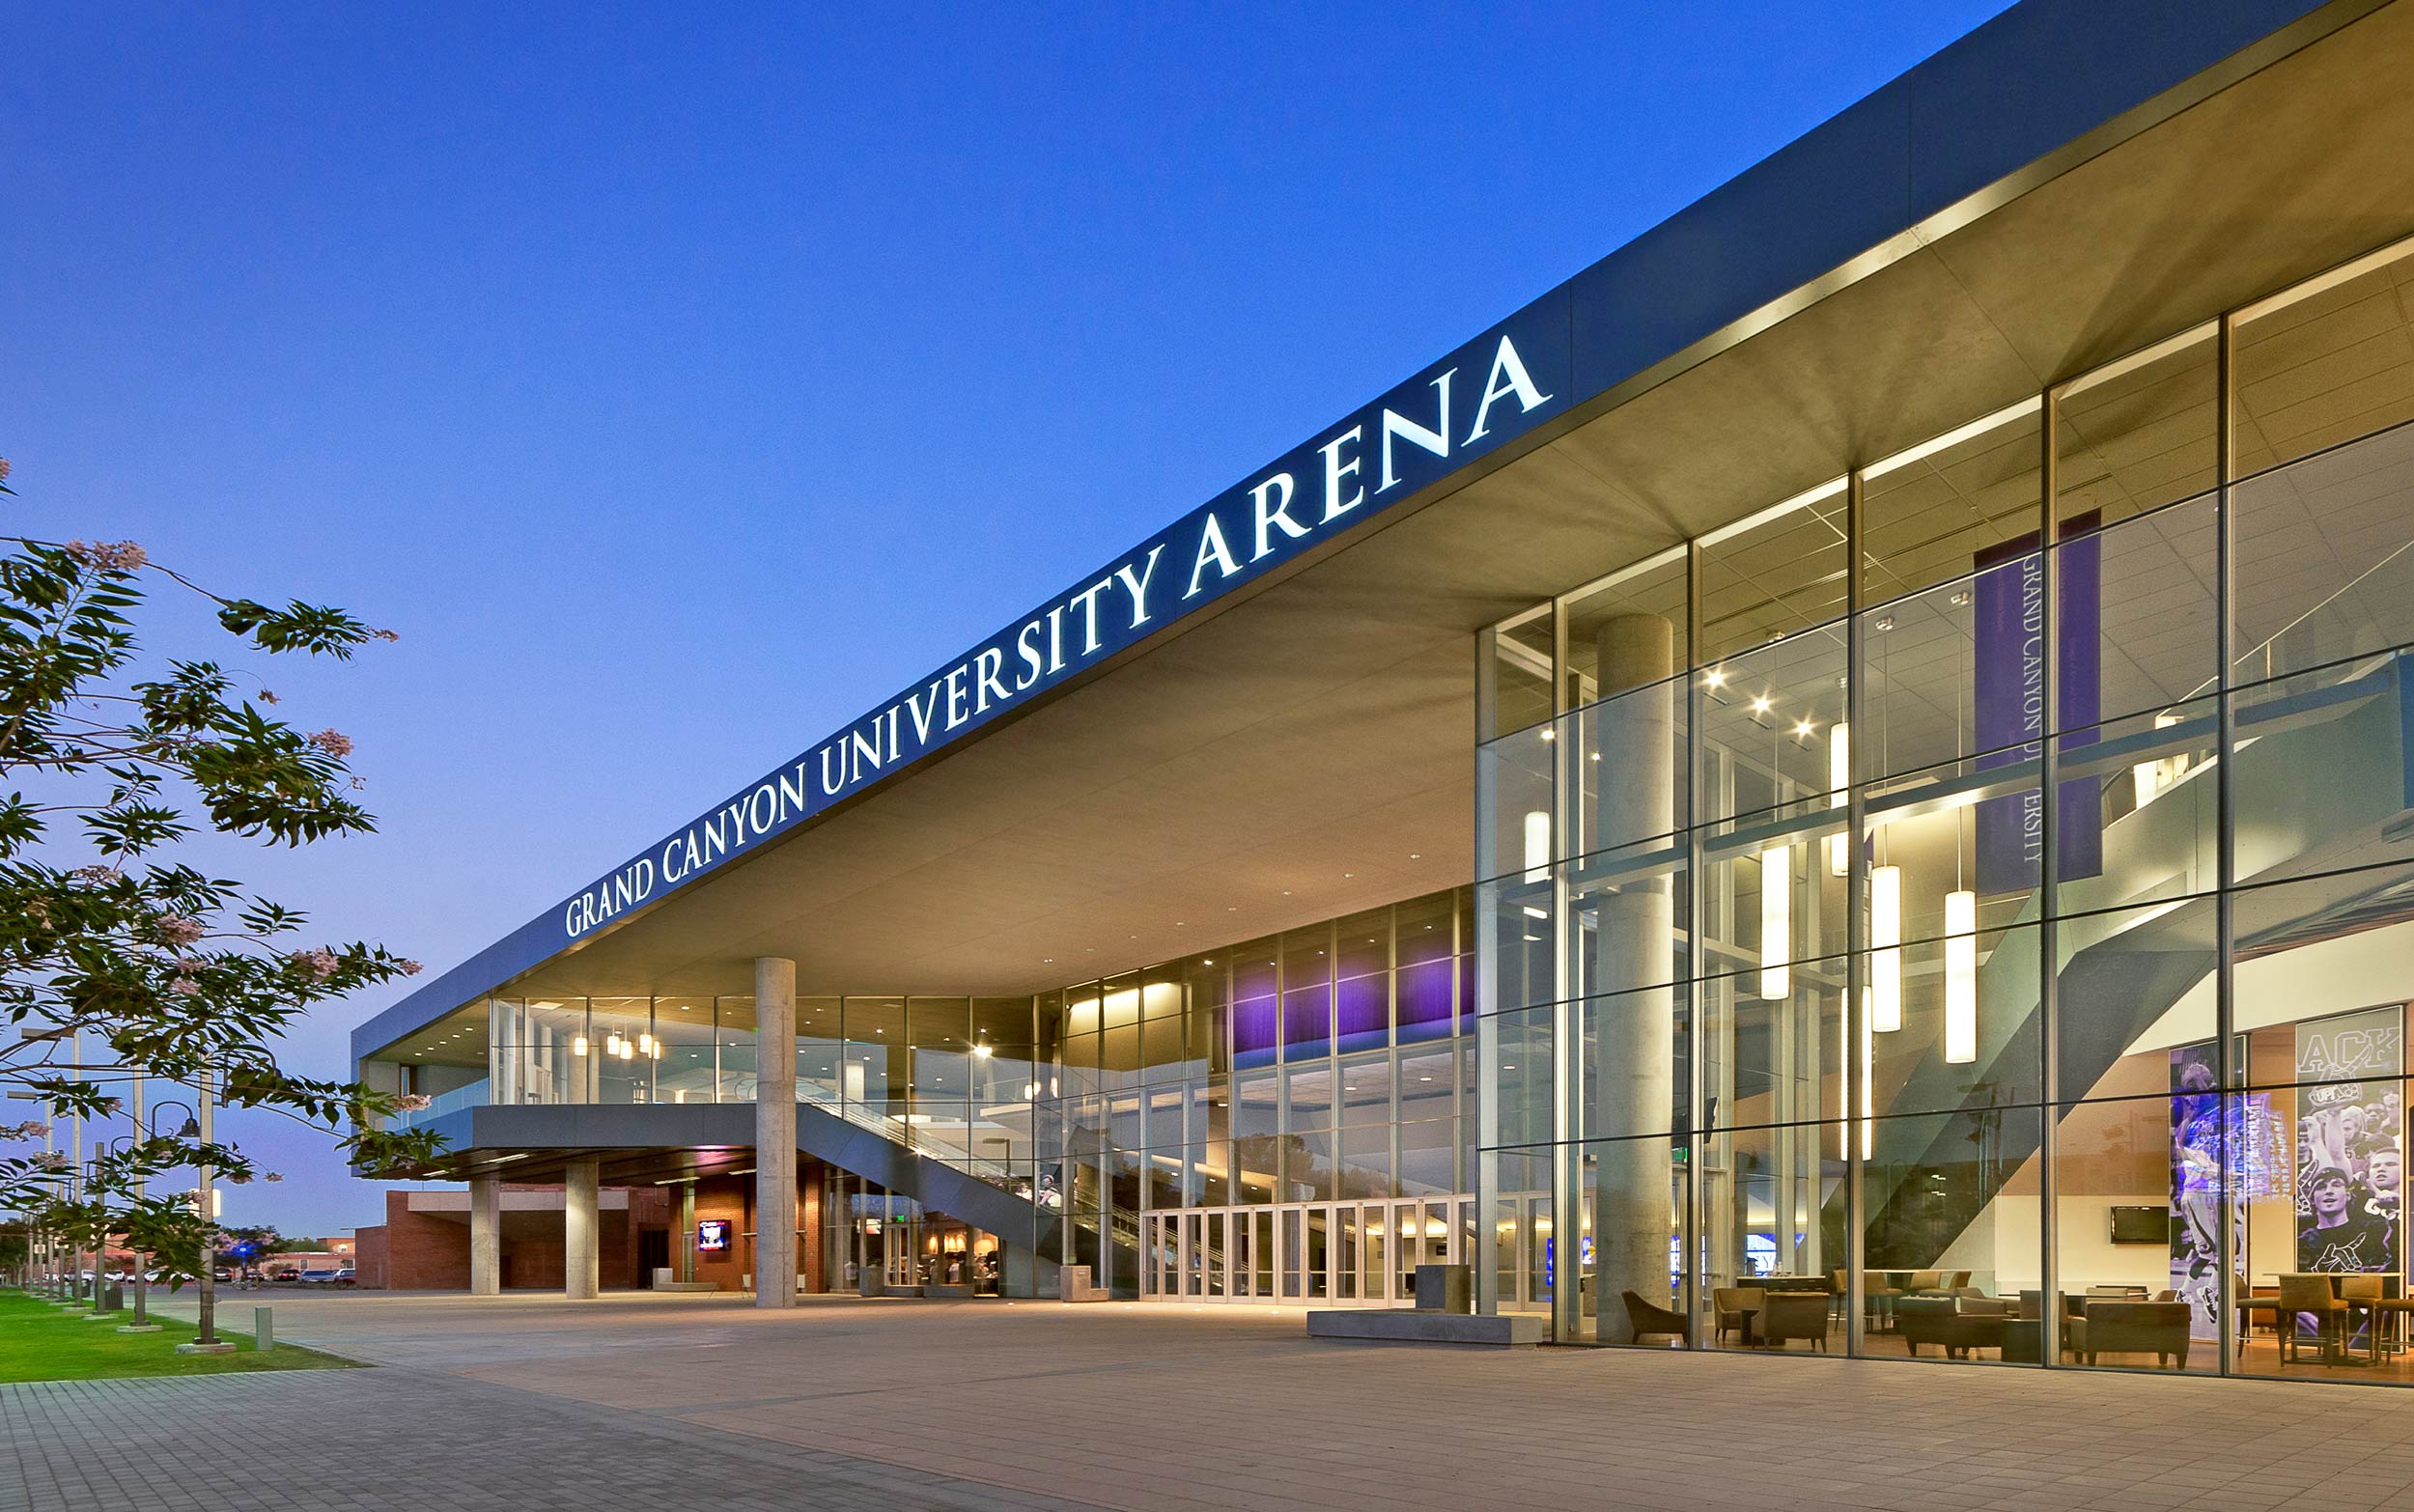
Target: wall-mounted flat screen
[(2141, 1225)]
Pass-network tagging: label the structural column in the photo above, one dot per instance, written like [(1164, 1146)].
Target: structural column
[(686, 1230), (486, 1236), (774, 1133), (582, 1253), (1635, 1044)]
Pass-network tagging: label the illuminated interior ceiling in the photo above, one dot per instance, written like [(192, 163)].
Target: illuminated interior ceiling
[(1308, 750), (457, 1039)]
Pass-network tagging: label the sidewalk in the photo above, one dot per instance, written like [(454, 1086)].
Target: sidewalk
[(529, 1400)]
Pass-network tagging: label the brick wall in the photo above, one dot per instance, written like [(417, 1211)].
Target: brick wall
[(430, 1250), (424, 1251), (730, 1199), (369, 1257)]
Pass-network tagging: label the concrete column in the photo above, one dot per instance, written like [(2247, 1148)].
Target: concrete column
[(486, 1236), (687, 1231), (774, 1133), (581, 1230), (1635, 1051)]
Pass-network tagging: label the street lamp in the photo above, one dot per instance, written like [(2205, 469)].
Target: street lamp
[(205, 1340), (147, 1126)]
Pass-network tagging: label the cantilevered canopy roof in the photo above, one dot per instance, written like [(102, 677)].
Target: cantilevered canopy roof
[(2045, 195)]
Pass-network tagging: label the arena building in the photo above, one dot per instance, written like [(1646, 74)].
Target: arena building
[(1843, 780)]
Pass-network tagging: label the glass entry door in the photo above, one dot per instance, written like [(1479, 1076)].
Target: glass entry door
[(1308, 1254), (897, 1268)]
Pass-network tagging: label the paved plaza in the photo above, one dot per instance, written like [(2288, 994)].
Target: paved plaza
[(643, 1401)]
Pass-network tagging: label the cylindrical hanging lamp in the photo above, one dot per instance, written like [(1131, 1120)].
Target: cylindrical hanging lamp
[(1777, 884), (1961, 977), (1885, 952)]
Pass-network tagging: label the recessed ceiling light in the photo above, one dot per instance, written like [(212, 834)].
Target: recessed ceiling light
[(1760, 705)]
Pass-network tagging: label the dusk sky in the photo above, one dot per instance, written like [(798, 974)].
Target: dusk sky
[(682, 382)]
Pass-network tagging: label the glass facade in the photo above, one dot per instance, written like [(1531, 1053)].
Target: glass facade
[(1962, 910), (1324, 1072)]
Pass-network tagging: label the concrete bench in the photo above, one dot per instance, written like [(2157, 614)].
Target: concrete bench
[(1072, 1285), (1406, 1325)]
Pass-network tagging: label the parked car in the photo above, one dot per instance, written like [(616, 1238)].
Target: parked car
[(317, 1277)]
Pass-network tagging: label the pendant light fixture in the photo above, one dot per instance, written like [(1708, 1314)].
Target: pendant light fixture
[(1839, 780), (1777, 882), (579, 1046), (1961, 965), (1961, 956), (1868, 1074), (1885, 949), (1776, 887), (1961, 978), (1537, 843)]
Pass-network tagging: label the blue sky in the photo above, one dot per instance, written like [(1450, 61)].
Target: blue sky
[(680, 381)]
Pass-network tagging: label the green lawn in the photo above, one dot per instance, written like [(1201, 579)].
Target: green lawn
[(42, 1342)]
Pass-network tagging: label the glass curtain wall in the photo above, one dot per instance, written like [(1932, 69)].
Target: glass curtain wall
[(1282, 1119), (1325, 1071), (1954, 912)]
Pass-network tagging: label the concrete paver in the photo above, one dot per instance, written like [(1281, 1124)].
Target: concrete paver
[(520, 1401), (414, 1440)]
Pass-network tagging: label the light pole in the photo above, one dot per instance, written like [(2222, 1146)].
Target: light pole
[(205, 1340), (75, 1057), (91, 1174), (142, 1323)]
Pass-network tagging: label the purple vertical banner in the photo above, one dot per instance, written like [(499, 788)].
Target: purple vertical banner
[(2008, 703)]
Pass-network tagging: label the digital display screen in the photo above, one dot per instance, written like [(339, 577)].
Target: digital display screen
[(711, 1235)]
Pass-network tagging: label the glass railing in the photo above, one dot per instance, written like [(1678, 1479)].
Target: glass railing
[(475, 1095), (900, 1129)]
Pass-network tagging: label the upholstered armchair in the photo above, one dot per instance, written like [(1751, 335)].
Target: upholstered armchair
[(1877, 1297), (1645, 1320), (2116, 1326), (1957, 1325), (1794, 1315), (1730, 1302), (2302, 1294)]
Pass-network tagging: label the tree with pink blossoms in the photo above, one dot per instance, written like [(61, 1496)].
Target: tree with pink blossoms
[(112, 757)]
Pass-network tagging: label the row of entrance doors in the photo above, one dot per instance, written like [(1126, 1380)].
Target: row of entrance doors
[(1318, 1252)]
